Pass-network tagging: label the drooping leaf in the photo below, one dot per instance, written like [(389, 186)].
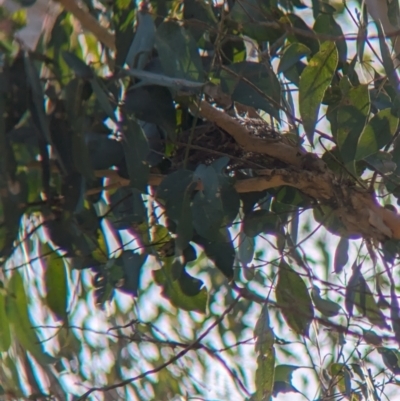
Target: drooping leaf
[(187, 292), (283, 379), (359, 294), (378, 132), (55, 282), (387, 60), (259, 221), (325, 306), (136, 149), (341, 377), (207, 208), (18, 316), (391, 358), (294, 300), (246, 248), (351, 119), (221, 251), (142, 45), (292, 54), (253, 84), (264, 348), (326, 24), (131, 264), (80, 68), (178, 52), (171, 190), (5, 335), (341, 255), (153, 104), (314, 81), (123, 21)]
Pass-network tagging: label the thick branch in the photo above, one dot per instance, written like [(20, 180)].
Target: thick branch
[(278, 150)]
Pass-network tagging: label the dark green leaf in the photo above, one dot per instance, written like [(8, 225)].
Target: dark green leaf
[(246, 248), (80, 68), (171, 190), (136, 149), (253, 84), (142, 46), (264, 348), (56, 282), (341, 255), (259, 221), (314, 81), (294, 300), (178, 52), (283, 379), (351, 118), (5, 335), (18, 316), (391, 358), (187, 293), (220, 251), (378, 132), (207, 208), (326, 24), (131, 264), (292, 54), (153, 104), (123, 19), (325, 306)]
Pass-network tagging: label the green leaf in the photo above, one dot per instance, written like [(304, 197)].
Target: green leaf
[(359, 294), (260, 221), (325, 306), (5, 335), (326, 24), (185, 223), (207, 208), (378, 133), (253, 84), (314, 81), (264, 348), (178, 52), (56, 282), (294, 300), (187, 292), (171, 190), (341, 377), (391, 358), (123, 18), (220, 251), (131, 264), (283, 379), (351, 119), (18, 316), (142, 46), (103, 97), (387, 60), (136, 149), (341, 255), (153, 104), (246, 248), (292, 54), (80, 68), (75, 111)]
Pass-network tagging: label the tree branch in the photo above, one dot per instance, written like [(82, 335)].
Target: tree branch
[(89, 22), (170, 361)]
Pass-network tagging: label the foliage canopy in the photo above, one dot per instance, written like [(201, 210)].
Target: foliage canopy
[(200, 188)]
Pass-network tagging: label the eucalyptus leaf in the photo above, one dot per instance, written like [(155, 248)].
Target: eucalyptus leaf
[(294, 300), (314, 81)]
